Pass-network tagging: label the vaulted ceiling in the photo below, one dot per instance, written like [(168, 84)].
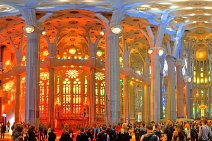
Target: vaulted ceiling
[(76, 17)]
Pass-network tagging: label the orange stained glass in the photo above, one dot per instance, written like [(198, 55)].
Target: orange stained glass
[(44, 92), (86, 89), (58, 90), (76, 96), (99, 94), (66, 95)]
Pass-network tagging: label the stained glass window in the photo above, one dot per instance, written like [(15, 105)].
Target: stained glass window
[(58, 101), (66, 96), (86, 89), (44, 90), (23, 90), (102, 97), (122, 96), (76, 96), (100, 92)]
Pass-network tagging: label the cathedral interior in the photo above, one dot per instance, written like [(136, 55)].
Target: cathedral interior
[(95, 61)]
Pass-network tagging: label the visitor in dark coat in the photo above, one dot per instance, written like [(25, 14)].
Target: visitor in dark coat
[(52, 135), (3, 130), (31, 134)]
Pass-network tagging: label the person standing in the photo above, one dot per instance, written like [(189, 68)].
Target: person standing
[(204, 132), (31, 134), (41, 129), (124, 134), (45, 132), (137, 132), (103, 136), (65, 134), (3, 130), (149, 136), (8, 125), (51, 135)]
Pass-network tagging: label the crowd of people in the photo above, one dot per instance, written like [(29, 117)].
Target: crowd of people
[(198, 130)]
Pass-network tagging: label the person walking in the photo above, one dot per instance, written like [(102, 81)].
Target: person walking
[(3, 130), (8, 125), (41, 130)]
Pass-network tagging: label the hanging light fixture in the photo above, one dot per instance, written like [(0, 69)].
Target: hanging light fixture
[(72, 51), (150, 51), (99, 53), (43, 32), (160, 52), (116, 29), (102, 33), (29, 29)]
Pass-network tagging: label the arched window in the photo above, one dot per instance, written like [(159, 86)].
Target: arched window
[(66, 101), (76, 96), (100, 93), (44, 91)]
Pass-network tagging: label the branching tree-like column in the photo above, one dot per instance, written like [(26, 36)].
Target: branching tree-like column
[(52, 47), (179, 53), (126, 83), (112, 69), (18, 52), (171, 98), (92, 59), (146, 101), (180, 94), (32, 98), (155, 43), (188, 84)]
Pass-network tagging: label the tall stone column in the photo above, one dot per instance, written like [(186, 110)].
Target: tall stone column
[(188, 100), (171, 98), (180, 95), (155, 86), (126, 102), (146, 98), (92, 97), (146, 106), (17, 98), (1, 67), (112, 77), (210, 94), (51, 117), (132, 91), (32, 99), (188, 87)]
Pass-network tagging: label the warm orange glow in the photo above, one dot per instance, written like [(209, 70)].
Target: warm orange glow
[(44, 75), (24, 58), (72, 51), (72, 73), (8, 86), (202, 106), (99, 76), (7, 63), (201, 54), (45, 53)]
